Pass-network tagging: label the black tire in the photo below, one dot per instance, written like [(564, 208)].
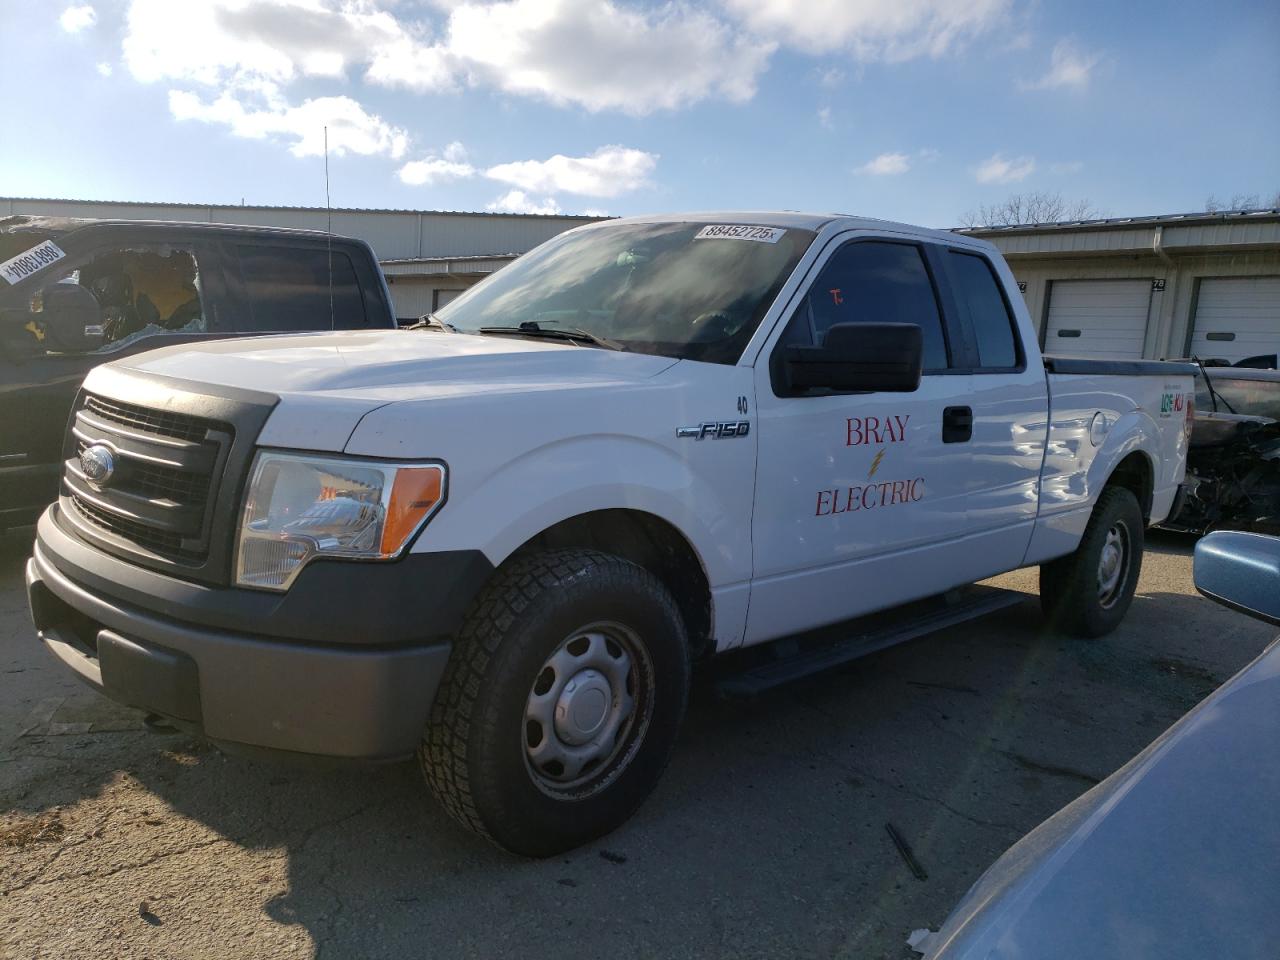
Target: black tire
[(476, 752), (1073, 593)]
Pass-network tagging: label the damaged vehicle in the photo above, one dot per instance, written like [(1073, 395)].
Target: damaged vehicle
[(1233, 465), (77, 293)]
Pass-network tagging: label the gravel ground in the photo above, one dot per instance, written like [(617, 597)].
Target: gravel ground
[(767, 837)]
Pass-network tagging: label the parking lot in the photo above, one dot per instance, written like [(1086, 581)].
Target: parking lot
[(766, 838)]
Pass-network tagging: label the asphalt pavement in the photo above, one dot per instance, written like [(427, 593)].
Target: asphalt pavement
[(767, 837)]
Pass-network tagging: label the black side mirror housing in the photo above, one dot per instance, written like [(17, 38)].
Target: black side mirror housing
[(1241, 571), (881, 357), (71, 318)]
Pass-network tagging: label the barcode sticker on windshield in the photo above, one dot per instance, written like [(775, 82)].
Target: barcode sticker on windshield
[(30, 261), (740, 231)]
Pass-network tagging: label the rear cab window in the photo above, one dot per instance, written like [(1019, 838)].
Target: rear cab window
[(981, 301), (295, 288)]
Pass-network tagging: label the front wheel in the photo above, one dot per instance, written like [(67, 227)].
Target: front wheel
[(1088, 592), (561, 702)]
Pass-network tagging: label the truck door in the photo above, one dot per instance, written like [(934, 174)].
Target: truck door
[(1009, 403), (860, 498)]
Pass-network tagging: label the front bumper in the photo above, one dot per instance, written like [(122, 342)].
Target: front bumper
[(359, 699)]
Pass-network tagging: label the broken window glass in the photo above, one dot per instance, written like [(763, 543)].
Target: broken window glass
[(117, 298)]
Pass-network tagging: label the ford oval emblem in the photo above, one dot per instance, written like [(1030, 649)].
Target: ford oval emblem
[(97, 463)]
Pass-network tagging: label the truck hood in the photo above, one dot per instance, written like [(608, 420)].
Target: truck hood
[(327, 382)]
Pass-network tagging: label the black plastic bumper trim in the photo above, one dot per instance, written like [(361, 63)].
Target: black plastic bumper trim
[(420, 597), (246, 689)]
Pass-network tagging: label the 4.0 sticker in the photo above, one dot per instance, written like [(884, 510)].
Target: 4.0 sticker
[(30, 261)]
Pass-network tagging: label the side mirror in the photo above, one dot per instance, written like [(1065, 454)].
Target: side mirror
[(71, 318), (1241, 571), (859, 356)]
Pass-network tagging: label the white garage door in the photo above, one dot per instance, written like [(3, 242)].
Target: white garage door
[(1237, 318), (411, 297), (1098, 318)]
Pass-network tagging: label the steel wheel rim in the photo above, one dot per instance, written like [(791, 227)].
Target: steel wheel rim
[(1113, 564), (588, 710)]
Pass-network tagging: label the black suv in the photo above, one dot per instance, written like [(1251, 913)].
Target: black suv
[(77, 293)]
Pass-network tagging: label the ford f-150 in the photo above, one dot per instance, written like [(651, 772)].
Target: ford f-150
[(501, 539)]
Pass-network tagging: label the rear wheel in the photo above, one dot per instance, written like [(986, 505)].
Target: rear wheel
[(561, 702), (1088, 592)]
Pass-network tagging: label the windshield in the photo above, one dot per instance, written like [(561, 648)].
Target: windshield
[(694, 291), (1256, 398)]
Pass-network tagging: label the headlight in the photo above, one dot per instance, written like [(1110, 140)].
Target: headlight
[(299, 507)]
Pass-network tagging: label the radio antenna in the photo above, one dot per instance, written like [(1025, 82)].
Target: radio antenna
[(328, 213)]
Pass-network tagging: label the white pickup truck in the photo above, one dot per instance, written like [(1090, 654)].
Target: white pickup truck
[(501, 539)]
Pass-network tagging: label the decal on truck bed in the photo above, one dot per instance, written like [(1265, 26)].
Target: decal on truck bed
[(1171, 401)]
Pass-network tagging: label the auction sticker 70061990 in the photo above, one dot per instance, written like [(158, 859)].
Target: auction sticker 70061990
[(30, 261)]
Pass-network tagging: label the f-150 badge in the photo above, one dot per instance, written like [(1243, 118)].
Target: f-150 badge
[(720, 430)]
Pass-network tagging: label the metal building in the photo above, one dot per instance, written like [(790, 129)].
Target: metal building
[(1205, 284), (1196, 284), (429, 256)]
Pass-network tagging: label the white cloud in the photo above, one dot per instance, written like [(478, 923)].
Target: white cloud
[(601, 55), (887, 164), (516, 201), (75, 19), (105, 69), (263, 112), (892, 30), (1068, 67), (999, 169), (824, 118), (595, 54), (608, 172), (831, 77), (451, 164)]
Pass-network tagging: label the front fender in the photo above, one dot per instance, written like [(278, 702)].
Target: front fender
[(569, 477)]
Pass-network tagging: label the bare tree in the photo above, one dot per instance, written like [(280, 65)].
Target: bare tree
[(1242, 201), (1040, 206)]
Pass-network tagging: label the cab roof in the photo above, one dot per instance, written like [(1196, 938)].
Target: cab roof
[(791, 219), (62, 226)]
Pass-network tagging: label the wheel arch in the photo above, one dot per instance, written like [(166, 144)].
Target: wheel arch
[(1136, 473), (650, 542)]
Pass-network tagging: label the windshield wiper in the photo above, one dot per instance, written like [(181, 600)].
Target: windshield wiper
[(531, 328), (429, 321), (1214, 396)]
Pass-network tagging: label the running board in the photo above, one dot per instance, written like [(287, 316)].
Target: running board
[(794, 658)]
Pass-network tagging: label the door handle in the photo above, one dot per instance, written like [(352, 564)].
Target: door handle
[(957, 425)]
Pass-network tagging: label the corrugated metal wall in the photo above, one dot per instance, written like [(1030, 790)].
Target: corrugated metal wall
[(393, 234)]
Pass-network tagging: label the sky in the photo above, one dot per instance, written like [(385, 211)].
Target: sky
[(911, 110)]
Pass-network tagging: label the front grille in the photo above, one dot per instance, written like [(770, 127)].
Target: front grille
[(149, 538), (159, 496), (179, 426), (162, 483)]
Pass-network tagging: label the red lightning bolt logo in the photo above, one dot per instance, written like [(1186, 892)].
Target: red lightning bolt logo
[(875, 464)]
